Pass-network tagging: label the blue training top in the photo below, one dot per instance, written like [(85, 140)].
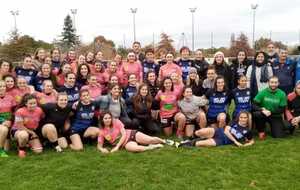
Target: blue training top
[(73, 93), (149, 66), (83, 116), (242, 100), (28, 74), (185, 66), (218, 102)]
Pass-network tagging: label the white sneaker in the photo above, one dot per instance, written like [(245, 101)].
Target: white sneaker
[(58, 148), (154, 146), (169, 142)]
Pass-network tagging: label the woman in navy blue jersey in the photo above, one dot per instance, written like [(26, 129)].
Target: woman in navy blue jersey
[(27, 70), (84, 120), (55, 60), (44, 74), (219, 99), (184, 62), (70, 88), (149, 63), (238, 133), (242, 98)]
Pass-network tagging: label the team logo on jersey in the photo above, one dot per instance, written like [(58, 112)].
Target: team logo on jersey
[(107, 137)]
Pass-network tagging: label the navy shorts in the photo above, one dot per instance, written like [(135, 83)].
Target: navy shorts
[(78, 131), (220, 138), (212, 120)]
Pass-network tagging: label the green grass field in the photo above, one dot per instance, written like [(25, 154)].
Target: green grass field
[(270, 164)]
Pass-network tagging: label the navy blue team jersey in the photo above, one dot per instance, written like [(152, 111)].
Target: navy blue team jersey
[(28, 74), (73, 93), (218, 102), (38, 82), (147, 66), (240, 133), (129, 92), (185, 66), (242, 100), (84, 116)]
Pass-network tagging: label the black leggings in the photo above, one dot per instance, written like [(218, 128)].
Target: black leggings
[(129, 123), (148, 126), (276, 122)]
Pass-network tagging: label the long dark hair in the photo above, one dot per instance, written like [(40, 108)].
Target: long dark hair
[(101, 123), (79, 76), (183, 90), (162, 87), (37, 52), (265, 57), (61, 67), (51, 76), (137, 99), (147, 75), (245, 61), (240, 113), (25, 99), (225, 85), (2, 61)]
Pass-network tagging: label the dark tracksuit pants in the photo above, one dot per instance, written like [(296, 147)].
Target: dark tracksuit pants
[(276, 123), (148, 126)]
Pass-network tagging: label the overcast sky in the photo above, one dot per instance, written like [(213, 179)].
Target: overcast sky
[(112, 19)]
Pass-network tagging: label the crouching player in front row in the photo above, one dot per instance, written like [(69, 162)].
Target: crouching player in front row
[(238, 133)]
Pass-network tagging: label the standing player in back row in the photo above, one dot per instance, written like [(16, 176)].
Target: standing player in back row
[(170, 67), (184, 62)]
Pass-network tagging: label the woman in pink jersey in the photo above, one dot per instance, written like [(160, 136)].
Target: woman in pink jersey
[(112, 70), (119, 60), (167, 98), (113, 132), (7, 103), (177, 82), (132, 66), (93, 87), (170, 67), (63, 71), (48, 95), (90, 60), (22, 89), (10, 83), (101, 76), (27, 119), (5, 68)]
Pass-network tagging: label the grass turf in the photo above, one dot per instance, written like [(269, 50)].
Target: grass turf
[(270, 164)]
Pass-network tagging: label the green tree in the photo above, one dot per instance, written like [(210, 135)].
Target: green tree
[(69, 38), (241, 43), (100, 43), (122, 51), (165, 43), (262, 43), (14, 49)]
